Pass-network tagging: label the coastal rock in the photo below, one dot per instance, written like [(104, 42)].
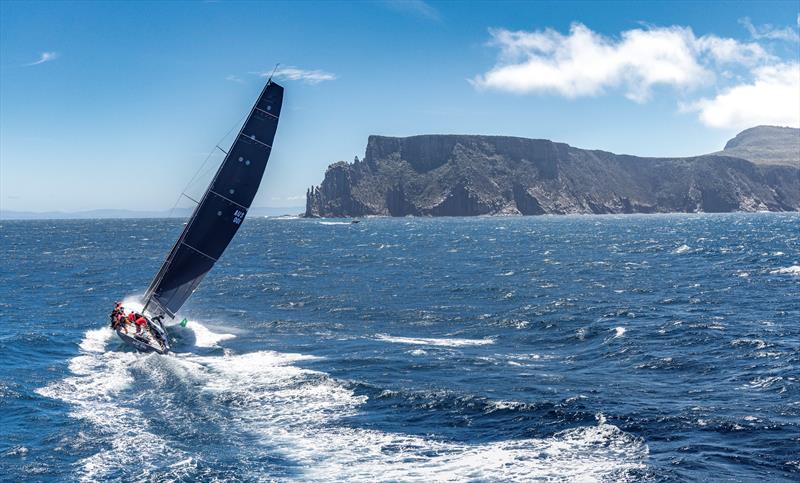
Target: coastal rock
[(468, 175), (766, 145)]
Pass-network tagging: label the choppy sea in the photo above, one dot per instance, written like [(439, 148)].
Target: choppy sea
[(590, 348)]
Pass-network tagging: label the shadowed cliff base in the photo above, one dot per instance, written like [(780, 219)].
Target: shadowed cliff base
[(469, 175)]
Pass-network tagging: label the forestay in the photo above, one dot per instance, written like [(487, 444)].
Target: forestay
[(221, 209)]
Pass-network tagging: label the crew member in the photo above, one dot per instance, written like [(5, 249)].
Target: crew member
[(115, 314), (141, 323)]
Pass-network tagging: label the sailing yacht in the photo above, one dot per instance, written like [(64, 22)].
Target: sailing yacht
[(210, 229)]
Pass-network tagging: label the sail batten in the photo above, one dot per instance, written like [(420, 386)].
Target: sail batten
[(222, 209)]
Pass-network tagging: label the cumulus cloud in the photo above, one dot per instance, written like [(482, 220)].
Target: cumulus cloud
[(773, 97), (45, 57), (585, 63), (297, 74), (741, 83)]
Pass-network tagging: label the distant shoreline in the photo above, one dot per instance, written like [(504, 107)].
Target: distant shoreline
[(8, 215), (549, 215)]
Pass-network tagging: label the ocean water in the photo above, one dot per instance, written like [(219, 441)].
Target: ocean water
[(590, 348)]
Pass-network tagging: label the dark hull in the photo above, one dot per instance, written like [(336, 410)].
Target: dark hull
[(140, 345)]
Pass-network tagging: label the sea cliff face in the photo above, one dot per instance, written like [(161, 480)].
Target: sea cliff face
[(467, 175)]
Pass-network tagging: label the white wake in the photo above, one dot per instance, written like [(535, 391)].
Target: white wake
[(298, 414)]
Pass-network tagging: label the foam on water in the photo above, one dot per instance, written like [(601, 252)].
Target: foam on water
[(96, 340), (793, 270), (298, 414), (444, 342), (94, 394), (203, 336), (682, 249)]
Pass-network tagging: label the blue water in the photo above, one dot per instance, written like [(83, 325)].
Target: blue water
[(608, 348)]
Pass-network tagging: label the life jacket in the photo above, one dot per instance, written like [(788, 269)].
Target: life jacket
[(132, 317), (141, 321)]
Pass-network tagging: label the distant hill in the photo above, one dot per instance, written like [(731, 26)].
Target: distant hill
[(766, 145), (110, 213), (465, 175)]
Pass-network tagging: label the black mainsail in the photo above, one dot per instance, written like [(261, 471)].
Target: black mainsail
[(221, 210)]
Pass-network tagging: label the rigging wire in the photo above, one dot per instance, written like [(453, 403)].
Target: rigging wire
[(195, 177)]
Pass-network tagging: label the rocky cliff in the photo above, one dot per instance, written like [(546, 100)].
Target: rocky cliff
[(766, 145), (465, 175)]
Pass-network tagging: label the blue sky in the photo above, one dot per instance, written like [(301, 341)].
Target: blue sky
[(116, 105)]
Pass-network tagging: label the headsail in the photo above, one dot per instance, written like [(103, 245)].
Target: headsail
[(221, 209)]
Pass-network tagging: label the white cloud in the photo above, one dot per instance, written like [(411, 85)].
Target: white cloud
[(414, 7), (768, 32), (297, 74), (731, 51), (585, 63), (742, 83), (772, 98), (234, 78), (45, 57)]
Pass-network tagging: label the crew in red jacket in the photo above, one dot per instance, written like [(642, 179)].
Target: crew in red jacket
[(141, 322)]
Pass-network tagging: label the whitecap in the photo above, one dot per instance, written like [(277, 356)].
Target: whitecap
[(793, 270), (764, 382), (682, 249), (619, 331), (444, 342), (757, 343)]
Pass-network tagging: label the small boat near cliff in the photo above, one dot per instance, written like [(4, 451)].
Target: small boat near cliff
[(211, 227)]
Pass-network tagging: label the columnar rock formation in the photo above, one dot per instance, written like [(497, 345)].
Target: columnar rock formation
[(455, 175)]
